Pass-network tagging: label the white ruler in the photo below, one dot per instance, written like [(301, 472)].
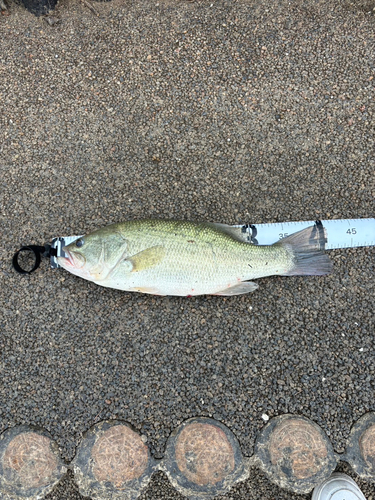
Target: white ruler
[(341, 233)]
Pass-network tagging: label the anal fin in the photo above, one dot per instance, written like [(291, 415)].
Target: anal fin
[(240, 289), (147, 289)]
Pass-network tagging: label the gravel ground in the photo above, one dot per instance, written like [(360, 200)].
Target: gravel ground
[(227, 111)]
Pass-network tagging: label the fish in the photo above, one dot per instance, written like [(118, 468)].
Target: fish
[(176, 257)]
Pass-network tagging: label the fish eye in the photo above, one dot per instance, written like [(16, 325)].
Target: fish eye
[(80, 242)]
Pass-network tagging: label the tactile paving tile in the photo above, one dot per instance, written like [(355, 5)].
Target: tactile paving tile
[(295, 453), (112, 461), (360, 451), (30, 464), (203, 459)]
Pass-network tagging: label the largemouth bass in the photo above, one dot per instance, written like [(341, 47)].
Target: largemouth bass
[(170, 257)]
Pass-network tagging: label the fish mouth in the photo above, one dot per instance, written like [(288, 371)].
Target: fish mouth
[(66, 261), (72, 259), (68, 257)]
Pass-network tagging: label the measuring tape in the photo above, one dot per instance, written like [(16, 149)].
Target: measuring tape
[(341, 233)]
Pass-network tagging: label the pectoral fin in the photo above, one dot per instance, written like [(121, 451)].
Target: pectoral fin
[(241, 288), (147, 258)]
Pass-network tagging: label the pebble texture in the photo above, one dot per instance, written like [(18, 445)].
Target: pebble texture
[(218, 111)]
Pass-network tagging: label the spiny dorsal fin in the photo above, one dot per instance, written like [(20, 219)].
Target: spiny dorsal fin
[(235, 232)]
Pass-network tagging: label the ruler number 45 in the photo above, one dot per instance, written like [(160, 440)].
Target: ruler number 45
[(351, 231)]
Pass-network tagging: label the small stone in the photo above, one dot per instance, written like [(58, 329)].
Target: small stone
[(52, 20)]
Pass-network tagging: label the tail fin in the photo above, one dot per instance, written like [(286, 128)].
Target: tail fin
[(307, 247)]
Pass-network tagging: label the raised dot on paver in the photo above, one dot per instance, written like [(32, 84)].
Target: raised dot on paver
[(119, 456), (360, 451), (295, 453), (112, 461), (297, 445), (30, 465), (29, 455), (204, 453), (367, 446), (203, 459)]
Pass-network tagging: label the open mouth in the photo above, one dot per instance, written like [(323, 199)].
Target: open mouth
[(74, 259), (68, 258), (66, 261)]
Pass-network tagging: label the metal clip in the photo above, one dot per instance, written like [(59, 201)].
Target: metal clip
[(251, 231)]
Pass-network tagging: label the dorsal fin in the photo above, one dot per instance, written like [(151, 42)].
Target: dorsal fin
[(235, 232)]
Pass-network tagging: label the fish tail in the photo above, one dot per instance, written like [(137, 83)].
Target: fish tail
[(307, 247)]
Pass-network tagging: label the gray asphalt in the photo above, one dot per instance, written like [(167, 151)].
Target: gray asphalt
[(218, 111)]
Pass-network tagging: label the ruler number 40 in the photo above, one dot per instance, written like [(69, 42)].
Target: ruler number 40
[(351, 231)]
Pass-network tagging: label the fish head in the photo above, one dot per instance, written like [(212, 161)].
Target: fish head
[(80, 256), (93, 256)]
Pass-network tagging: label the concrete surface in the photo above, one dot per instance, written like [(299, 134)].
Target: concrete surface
[(228, 111)]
